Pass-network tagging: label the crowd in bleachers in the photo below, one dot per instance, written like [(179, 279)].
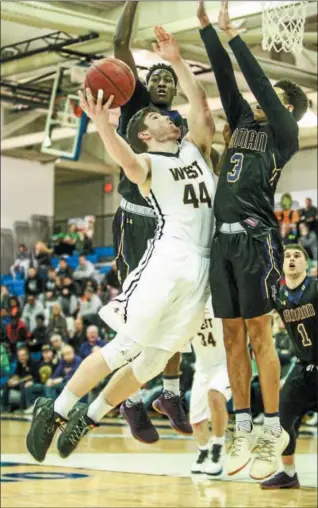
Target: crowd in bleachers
[(50, 322)]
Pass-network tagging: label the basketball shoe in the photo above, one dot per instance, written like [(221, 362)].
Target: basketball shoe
[(139, 422), (269, 449), (240, 452), (281, 481), (44, 424), (78, 425), (170, 405), (199, 465), (214, 466)]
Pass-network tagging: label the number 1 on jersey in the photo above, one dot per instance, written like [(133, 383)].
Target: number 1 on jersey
[(190, 197), (237, 160), (303, 333)]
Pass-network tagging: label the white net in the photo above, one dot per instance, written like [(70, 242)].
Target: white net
[(283, 25)]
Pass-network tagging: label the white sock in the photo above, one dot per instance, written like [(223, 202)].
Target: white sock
[(98, 408), (204, 447), (272, 424), (218, 440), (135, 398), (289, 469), (171, 384), (243, 421), (65, 402)]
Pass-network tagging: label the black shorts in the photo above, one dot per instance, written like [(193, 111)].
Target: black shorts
[(244, 274), (131, 233), (297, 397)]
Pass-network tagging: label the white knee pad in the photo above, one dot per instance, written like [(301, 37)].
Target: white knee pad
[(150, 363), (120, 351)]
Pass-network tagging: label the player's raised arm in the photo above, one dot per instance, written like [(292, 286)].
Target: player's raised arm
[(123, 35), (233, 102), (136, 167), (200, 120), (278, 116)]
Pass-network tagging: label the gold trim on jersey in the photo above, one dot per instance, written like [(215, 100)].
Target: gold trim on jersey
[(121, 248), (275, 170)]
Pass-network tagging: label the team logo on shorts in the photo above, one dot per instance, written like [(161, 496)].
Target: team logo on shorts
[(251, 222)]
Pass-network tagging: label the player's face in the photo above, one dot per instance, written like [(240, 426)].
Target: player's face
[(294, 262), (161, 87), (161, 128), (259, 114)]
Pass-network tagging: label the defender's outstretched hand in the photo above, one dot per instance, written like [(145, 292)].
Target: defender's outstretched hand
[(166, 46), (202, 14), (95, 110)]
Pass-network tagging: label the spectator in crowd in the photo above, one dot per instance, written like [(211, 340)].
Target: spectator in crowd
[(309, 215), (308, 240), (5, 295), (45, 371), (287, 215), (63, 269), (84, 271), (23, 376), (59, 283), (42, 258), (57, 322), (69, 241), (38, 337), (68, 299), (4, 361), (288, 233), (112, 283), (50, 283), (33, 283), (22, 263), (56, 240), (16, 332), (92, 340), (63, 372), (57, 345), (32, 308), (89, 306), (14, 306), (78, 335)]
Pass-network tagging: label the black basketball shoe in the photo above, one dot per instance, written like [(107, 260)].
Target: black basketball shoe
[(44, 424), (78, 425)]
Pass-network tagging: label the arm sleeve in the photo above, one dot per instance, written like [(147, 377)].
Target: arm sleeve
[(284, 125), (235, 106), (140, 99)]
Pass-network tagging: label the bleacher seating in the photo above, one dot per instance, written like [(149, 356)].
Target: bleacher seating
[(101, 256)]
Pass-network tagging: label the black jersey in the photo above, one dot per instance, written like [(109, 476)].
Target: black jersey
[(140, 99), (298, 310), (257, 151)]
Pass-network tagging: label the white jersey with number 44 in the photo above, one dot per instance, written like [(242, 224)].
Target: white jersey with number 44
[(208, 344), (182, 194)]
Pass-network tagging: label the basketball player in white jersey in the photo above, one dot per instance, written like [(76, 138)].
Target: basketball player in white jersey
[(209, 395), (164, 298)]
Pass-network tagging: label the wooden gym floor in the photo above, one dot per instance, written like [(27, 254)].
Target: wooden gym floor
[(111, 469)]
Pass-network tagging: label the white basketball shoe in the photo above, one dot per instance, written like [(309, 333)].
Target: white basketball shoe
[(240, 452), (269, 449)]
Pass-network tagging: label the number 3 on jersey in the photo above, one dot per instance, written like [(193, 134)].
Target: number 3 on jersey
[(236, 159), (190, 197)]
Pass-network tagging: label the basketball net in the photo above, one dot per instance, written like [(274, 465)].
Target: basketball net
[(283, 25)]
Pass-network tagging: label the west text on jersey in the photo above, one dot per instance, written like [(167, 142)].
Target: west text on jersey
[(249, 139), (192, 171)]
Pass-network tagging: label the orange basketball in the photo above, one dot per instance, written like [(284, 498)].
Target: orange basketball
[(114, 77)]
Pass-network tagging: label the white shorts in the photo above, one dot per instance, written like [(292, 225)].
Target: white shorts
[(217, 380), (162, 303)]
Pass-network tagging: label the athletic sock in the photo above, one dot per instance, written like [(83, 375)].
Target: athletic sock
[(204, 447), (289, 469), (243, 420), (65, 402), (272, 423), (218, 440), (98, 408), (135, 398), (171, 384)]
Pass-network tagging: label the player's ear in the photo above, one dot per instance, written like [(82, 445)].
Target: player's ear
[(290, 108), (144, 135)]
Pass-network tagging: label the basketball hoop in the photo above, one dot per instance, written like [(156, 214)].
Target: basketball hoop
[(283, 25)]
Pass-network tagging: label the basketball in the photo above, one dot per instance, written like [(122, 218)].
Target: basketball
[(114, 77)]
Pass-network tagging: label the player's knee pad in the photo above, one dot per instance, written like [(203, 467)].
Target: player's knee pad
[(119, 351), (150, 363)]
